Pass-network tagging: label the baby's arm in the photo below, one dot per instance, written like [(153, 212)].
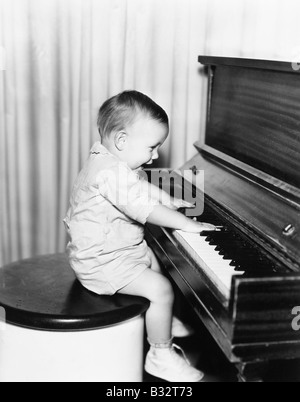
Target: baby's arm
[(163, 216)]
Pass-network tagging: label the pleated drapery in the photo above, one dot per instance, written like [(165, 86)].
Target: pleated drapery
[(64, 58)]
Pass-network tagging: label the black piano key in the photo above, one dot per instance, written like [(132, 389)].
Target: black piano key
[(227, 257), (234, 246)]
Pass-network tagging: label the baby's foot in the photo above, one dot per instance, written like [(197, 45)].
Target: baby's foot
[(167, 364)]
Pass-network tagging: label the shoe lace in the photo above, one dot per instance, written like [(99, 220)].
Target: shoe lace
[(174, 346)]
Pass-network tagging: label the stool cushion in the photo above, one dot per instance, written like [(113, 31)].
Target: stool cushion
[(43, 293)]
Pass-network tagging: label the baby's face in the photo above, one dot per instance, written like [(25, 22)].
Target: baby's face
[(144, 138)]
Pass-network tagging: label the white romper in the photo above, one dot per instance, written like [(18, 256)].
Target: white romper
[(108, 209)]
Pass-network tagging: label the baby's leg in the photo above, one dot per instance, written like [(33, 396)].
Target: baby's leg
[(156, 288), (162, 360), (179, 328), (155, 265)]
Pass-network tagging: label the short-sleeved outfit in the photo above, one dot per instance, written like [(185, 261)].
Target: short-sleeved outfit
[(108, 209)]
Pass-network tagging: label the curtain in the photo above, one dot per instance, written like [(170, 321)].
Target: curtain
[(262, 29), (64, 58)]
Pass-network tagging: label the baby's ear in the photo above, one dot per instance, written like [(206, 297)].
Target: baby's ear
[(120, 140)]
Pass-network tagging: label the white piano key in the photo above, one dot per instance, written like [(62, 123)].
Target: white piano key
[(219, 271)]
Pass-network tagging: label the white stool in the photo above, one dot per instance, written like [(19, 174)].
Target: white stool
[(57, 331)]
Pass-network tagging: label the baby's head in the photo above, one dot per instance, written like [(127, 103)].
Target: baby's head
[(133, 127)]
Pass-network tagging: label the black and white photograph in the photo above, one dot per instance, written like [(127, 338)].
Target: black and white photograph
[(149, 193)]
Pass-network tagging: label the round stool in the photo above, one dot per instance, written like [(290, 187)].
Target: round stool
[(57, 331)]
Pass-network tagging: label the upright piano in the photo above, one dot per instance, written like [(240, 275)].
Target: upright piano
[(243, 282)]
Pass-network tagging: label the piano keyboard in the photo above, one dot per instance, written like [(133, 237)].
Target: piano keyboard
[(223, 254), (218, 269)]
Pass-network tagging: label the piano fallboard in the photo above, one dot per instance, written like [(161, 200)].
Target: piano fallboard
[(256, 209)]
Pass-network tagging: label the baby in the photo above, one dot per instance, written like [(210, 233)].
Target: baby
[(110, 204)]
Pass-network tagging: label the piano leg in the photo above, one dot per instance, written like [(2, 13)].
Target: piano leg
[(252, 372)]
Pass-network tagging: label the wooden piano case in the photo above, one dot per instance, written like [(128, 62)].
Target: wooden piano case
[(251, 163)]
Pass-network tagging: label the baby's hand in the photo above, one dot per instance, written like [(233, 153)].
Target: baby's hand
[(177, 204), (197, 227)]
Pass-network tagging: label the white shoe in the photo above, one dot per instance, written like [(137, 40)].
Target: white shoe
[(167, 364), (180, 329)]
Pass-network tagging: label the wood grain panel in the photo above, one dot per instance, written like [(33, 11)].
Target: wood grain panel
[(255, 118)]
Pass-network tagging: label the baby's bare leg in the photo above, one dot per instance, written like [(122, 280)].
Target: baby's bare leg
[(156, 288), (155, 265)]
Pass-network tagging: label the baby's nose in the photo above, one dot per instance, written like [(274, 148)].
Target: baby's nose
[(155, 155)]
